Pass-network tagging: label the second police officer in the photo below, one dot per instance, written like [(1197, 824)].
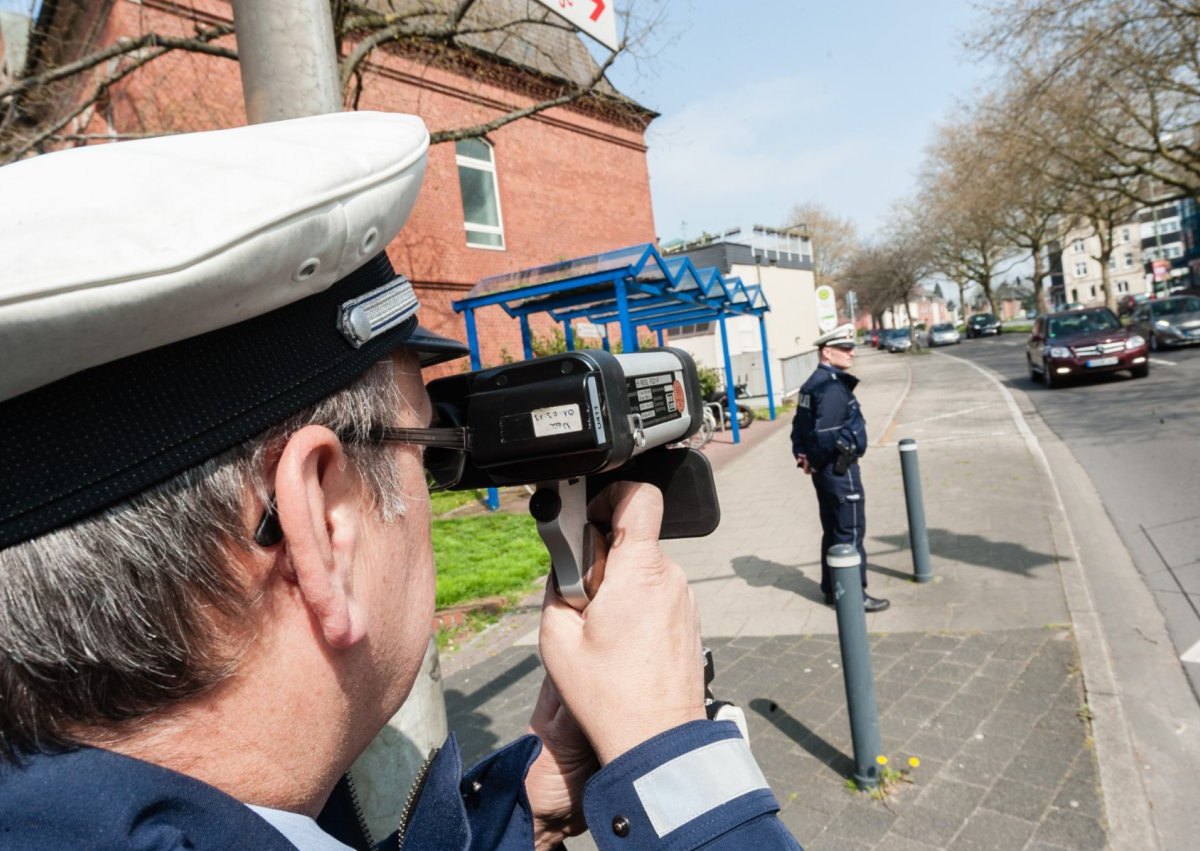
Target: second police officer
[(829, 435)]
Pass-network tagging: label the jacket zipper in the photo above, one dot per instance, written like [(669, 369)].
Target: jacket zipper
[(356, 805), (414, 794)]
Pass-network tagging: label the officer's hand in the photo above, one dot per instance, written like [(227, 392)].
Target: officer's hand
[(628, 667), (802, 463), (556, 779)]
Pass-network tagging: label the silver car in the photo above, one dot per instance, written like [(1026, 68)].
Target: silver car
[(943, 334), (898, 340), (1173, 321)]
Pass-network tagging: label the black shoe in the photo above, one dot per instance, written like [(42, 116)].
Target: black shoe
[(875, 604)]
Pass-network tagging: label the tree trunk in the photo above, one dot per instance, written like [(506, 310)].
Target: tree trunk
[(1041, 296)]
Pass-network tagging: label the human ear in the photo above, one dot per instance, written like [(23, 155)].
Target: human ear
[(319, 500)]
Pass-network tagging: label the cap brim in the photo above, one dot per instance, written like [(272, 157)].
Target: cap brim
[(434, 348)]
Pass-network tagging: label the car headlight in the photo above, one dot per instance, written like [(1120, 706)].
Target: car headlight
[(1134, 342), (1059, 352), (1161, 323)]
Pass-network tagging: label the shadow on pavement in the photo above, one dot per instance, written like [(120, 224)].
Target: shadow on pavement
[(974, 549), (759, 573), (473, 727), (796, 730)]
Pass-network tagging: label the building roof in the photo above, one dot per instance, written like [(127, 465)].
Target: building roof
[(522, 33)]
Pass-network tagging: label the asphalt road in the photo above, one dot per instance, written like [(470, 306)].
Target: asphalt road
[(1139, 441)]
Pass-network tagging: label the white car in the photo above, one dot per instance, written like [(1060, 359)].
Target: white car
[(943, 334)]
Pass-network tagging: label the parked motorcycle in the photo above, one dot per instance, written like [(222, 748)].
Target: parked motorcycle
[(745, 413)]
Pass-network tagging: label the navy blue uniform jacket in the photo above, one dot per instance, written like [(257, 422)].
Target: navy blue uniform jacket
[(827, 410), (95, 799)]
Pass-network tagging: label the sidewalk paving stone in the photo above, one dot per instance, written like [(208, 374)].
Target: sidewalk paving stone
[(976, 673)]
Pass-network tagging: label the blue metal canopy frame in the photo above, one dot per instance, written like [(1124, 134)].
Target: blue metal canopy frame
[(632, 287)]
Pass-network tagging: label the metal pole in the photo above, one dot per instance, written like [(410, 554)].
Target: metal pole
[(287, 57), (856, 663), (568, 336), (730, 393), (628, 330), (493, 495), (661, 339), (918, 537), (762, 332), (526, 338)]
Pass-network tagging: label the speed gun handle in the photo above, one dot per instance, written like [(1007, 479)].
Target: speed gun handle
[(721, 710)]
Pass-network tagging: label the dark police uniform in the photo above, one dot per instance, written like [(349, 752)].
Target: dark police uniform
[(827, 411), (695, 786)]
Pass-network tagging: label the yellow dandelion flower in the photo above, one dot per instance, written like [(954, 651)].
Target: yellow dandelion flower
[(913, 761), (881, 759)]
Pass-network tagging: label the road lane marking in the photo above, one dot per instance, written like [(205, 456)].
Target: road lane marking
[(1162, 362), (1192, 654)]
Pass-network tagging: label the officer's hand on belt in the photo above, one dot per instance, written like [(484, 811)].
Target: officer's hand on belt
[(802, 463)]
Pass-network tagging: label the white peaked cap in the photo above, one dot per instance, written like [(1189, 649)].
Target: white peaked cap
[(109, 250), (841, 336)]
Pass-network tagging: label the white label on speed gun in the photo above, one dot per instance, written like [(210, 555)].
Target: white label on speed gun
[(557, 420)]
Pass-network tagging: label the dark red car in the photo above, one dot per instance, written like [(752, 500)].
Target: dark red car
[(1081, 342)]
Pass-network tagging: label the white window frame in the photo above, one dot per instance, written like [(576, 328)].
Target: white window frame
[(1081, 269), (464, 161), (1128, 259), (1079, 246)]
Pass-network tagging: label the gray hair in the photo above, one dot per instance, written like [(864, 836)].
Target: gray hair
[(122, 614)]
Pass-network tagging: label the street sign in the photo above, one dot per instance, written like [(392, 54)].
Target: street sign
[(1162, 268), (597, 18), (588, 331), (826, 309)]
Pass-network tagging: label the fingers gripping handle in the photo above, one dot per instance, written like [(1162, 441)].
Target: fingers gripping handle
[(578, 551)]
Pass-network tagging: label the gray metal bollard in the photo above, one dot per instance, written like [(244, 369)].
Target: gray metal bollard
[(856, 663), (918, 537)]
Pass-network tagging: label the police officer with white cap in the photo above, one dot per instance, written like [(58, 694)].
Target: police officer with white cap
[(216, 572), (829, 435)]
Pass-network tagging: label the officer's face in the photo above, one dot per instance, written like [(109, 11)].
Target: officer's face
[(839, 357), (401, 565)]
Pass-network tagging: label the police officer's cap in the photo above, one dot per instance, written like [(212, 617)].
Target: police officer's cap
[(841, 337), (163, 300)]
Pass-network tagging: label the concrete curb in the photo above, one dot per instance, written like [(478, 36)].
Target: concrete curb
[(1126, 798)]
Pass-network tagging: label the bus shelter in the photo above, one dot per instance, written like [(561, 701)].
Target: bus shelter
[(632, 288)]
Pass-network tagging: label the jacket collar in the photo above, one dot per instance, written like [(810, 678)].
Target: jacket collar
[(835, 374)]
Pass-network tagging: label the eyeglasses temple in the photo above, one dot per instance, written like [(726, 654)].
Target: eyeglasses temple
[(445, 438)]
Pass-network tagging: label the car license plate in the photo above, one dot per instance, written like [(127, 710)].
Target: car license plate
[(1101, 362)]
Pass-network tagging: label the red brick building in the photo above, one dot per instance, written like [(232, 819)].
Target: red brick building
[(566, 182)]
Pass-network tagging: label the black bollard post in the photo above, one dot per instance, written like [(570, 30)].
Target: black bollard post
[(856, 663), (918, 537)]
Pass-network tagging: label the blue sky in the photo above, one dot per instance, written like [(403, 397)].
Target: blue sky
[(767, 103)]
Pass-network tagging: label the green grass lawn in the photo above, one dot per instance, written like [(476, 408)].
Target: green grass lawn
[(486, 555)]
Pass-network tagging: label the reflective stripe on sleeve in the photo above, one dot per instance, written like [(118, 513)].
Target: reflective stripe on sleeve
[(697, 782)]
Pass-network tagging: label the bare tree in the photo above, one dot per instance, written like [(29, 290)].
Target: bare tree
[(890, 272), (834, 241), (76, 77), (961, 208), (1135, 64), (1034, 196)]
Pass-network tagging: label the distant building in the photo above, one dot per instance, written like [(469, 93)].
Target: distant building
[(782, 264), (1080, 279), (1169, 237), (1157, 251)]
